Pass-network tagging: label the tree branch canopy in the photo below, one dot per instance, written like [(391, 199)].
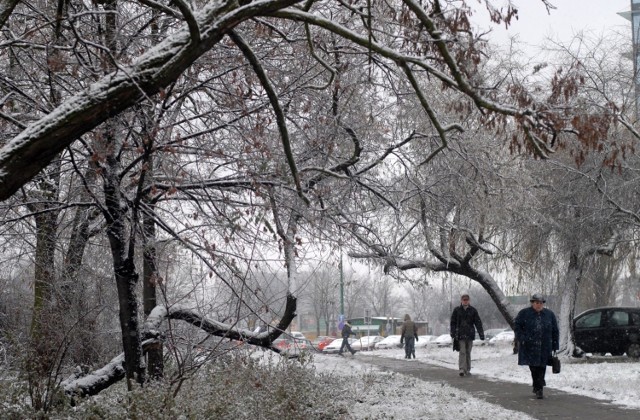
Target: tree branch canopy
[(436, 57), (34, 148)]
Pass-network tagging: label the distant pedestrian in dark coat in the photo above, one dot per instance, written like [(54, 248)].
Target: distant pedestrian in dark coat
[(346, 332), (537, 335), (464, 323), (409, 335)]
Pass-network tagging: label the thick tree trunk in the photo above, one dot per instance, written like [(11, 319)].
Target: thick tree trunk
[(151, 278), (48, 330), (72, 291), (48, 340), (45, 342), (121, 234), (127, 281), (567, 310), (44, 270)]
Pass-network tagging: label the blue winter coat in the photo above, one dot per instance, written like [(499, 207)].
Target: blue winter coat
[(537, 336)]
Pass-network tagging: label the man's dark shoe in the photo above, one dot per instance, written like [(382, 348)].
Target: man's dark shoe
[(539, 394), (461, 373)]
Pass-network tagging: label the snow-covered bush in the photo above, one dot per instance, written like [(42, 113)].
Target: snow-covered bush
[(243, 386)]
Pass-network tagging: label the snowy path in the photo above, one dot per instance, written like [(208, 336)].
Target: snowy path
[(513, 396)]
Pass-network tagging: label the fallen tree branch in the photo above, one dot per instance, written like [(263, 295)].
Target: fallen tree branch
[(96, 381), (80, 385)]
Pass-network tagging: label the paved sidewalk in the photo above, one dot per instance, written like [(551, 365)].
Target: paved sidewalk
[(518, 397)]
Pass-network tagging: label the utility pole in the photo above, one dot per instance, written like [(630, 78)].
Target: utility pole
[(341, 317), (634, 16), (341, 287)]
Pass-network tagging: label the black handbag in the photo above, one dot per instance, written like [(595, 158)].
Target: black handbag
[(456, 345), (555, 363)]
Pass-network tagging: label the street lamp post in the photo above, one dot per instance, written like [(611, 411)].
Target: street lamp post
[(341, 287), (634, 16), (341, 317), (367, 319)]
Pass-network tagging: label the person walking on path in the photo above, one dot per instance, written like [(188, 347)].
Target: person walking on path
[(536, 332), (464, 323), (388, 328), (346, 332), (409, 335)]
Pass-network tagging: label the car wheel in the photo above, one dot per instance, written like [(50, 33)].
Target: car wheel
[(633, 350)]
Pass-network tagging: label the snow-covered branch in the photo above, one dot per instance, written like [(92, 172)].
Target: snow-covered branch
[(159, 314), (96, 381), (101, 379), (32, 150), (459, 266)]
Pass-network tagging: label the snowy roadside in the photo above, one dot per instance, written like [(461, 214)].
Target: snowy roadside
[(373, 394), (615, 379)]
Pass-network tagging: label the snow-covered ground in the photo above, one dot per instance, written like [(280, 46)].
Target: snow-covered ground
[(393, 395)]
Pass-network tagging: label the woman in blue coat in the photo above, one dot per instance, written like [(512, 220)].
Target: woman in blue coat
[(537, 336)]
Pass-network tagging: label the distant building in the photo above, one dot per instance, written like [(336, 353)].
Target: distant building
[(522, 301), (377, 325)]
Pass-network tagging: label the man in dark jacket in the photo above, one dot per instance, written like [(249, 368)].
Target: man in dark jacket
[(346, 332), (464, 323), (409, 334), (537, 335)]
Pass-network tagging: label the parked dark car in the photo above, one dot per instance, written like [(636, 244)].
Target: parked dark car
[(609, 330)]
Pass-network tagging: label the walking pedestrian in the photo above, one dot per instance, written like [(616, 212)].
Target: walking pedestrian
[(388, 329), (346, 332), (536, 332), (409, 335), (464, 323)]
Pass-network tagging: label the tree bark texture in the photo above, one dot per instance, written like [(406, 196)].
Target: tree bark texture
[(155, 364)]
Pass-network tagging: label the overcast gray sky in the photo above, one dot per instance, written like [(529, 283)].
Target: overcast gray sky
[(569, 18)]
